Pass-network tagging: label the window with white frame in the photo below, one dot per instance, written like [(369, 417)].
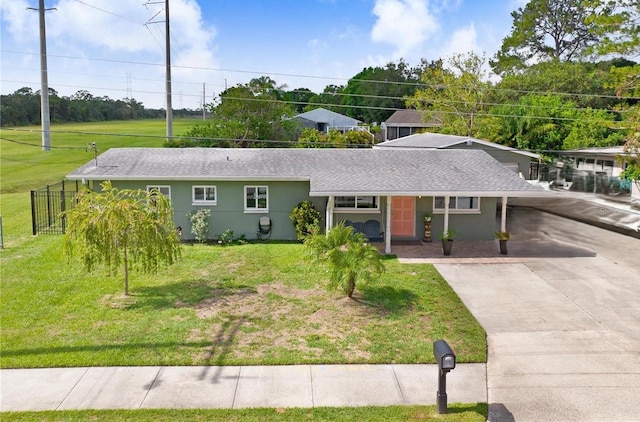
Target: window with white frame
[(163, 189), (204, 195), (457, 204), (256, 198), (356, 203)]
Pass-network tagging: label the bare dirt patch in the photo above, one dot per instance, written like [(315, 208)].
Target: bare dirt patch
[(277, 318)]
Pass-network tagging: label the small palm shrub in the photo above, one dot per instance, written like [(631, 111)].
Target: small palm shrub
[(352, 261)]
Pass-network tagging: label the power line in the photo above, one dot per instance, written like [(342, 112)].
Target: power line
[(240, 140), (293, 75)]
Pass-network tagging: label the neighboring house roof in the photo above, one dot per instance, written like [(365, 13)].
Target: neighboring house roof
[(441, 141), (604, 151), (409, 118), (331, 118), (330, 171)]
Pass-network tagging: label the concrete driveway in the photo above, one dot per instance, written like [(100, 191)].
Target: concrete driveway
[(563, 333)]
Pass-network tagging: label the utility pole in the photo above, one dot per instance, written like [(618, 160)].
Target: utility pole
[(168, 65), (203, 100), (45, 119)]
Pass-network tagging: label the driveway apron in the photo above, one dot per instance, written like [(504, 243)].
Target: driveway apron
[(563, 333)]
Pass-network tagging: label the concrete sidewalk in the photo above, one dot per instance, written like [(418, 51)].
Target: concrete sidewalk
[(235, 386)]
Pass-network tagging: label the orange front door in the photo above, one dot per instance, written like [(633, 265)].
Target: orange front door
[(403, 215)]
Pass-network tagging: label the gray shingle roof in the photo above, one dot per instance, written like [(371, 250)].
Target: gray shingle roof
[(329, 171), (413, 118), (439, 140)]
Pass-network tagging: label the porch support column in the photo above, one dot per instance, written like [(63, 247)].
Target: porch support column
[(446, 215), (503, 216), (328, 220), (387, 232)]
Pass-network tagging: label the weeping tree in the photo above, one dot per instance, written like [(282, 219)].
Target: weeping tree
[(350, 258), (128, 229)]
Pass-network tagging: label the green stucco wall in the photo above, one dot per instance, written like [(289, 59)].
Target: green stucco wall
[(229, 211), (284, 196)]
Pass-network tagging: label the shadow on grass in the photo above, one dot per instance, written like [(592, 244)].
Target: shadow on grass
[(215, 351), (388, 299), (182, 294), (479, 408)]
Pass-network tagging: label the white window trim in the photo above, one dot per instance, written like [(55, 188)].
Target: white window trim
[(455, 210), (158, 188), (255, 210), (354, 210), (195, 201)]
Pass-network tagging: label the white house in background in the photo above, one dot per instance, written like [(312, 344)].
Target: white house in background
[(521, 162), (602, 164)]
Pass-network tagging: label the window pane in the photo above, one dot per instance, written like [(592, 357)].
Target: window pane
[(210, 194), (439, 202), (345, 202), (251, 197), (367, 202), (465, 203), (262, 197), (198, 194)]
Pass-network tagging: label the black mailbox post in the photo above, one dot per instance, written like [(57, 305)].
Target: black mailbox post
[(446, 360)]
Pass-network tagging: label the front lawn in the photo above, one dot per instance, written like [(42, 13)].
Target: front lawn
[(457, 412), (252, 304)]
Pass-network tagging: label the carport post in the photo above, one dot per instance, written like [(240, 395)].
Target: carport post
[(445, 229), (503, 216), (387, 232)]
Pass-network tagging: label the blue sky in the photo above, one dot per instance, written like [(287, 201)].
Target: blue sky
[(115, 48)]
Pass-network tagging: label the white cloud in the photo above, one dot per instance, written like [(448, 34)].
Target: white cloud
[(117, 46), (20, 21), (405, 24), (463, 40)]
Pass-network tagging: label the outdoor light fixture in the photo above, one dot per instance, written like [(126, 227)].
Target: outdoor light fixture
[(446, 360)]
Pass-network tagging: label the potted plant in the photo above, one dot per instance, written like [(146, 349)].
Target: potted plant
[(447, 241), (502, 239)]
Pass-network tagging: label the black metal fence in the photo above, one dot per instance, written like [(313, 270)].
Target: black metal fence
[(48, 203)]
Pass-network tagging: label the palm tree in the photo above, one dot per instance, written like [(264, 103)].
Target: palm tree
[(351, 259)]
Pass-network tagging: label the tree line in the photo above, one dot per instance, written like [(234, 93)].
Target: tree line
[(22, 108)]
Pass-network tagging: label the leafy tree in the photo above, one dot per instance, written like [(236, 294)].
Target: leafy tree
[(550, 29), (376, 92), (306, 219), (250, 112), (132, 229), (312, 138), (330, 98), (456, 96), (536, 122), (619, 25), (299, 98), (350, 258)]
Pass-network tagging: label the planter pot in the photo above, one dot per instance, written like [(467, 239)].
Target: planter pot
[(503, 247), (446, 246)]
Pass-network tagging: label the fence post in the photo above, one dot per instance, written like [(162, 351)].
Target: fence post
[(34, 226), (1, 236)]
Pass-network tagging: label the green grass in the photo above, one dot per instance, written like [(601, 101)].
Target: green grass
[(253, 304), (456, 413), (24, 166)]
